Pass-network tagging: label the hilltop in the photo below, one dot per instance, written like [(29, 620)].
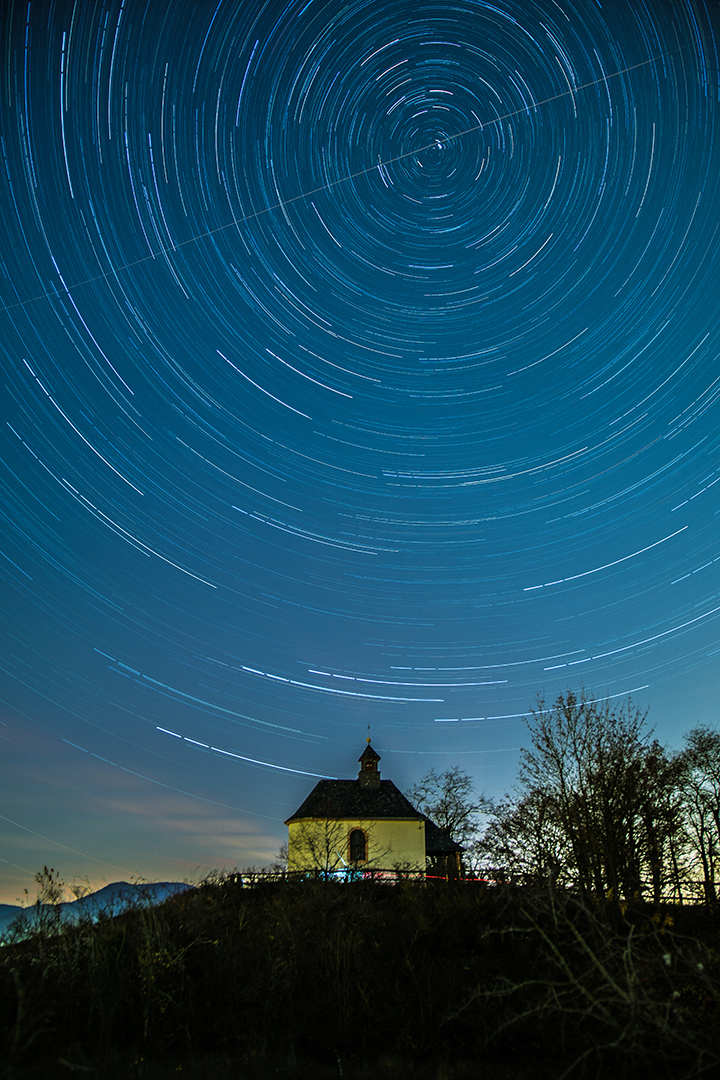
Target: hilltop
[(315, 978)]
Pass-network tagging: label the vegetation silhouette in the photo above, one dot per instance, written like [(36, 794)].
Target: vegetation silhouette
[(256, 973), (602, 809)]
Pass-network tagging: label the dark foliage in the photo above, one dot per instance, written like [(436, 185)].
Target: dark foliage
[(340, 979), (598, 808)]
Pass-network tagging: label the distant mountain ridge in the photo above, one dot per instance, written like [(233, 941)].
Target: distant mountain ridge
[(106, 902)]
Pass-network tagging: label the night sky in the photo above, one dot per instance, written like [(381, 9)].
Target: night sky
[(361, 364)]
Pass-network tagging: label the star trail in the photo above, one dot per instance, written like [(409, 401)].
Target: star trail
[(360, 364)]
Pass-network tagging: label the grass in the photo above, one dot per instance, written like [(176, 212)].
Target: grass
[(440, 981)]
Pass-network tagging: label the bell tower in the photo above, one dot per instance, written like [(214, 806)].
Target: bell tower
[(369, 775)]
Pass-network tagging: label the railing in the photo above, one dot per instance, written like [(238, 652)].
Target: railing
[(343, 874)]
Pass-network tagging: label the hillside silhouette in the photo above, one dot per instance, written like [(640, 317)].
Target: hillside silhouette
[(292, 978)]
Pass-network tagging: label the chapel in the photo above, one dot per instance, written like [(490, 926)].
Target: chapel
[(367, 824)]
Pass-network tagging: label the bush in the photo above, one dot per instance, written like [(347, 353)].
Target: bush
[(321, 975)]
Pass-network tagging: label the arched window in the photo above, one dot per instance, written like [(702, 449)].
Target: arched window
[(357, 846)]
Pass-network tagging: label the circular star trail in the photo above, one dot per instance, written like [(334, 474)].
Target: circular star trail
[(361, 365)]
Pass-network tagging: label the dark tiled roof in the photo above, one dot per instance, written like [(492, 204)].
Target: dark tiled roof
[(349, 799), (437, 841)]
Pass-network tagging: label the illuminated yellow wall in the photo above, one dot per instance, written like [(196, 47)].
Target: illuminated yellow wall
[(319, 844)]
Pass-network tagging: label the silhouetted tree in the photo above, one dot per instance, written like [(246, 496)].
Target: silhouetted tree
[(451, 801), (596, 806), (698, 785), (523, 843)]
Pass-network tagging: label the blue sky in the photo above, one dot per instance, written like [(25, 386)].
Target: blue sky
[(361, 366)]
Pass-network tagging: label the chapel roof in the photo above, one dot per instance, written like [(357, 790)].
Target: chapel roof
[(339, 799)]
